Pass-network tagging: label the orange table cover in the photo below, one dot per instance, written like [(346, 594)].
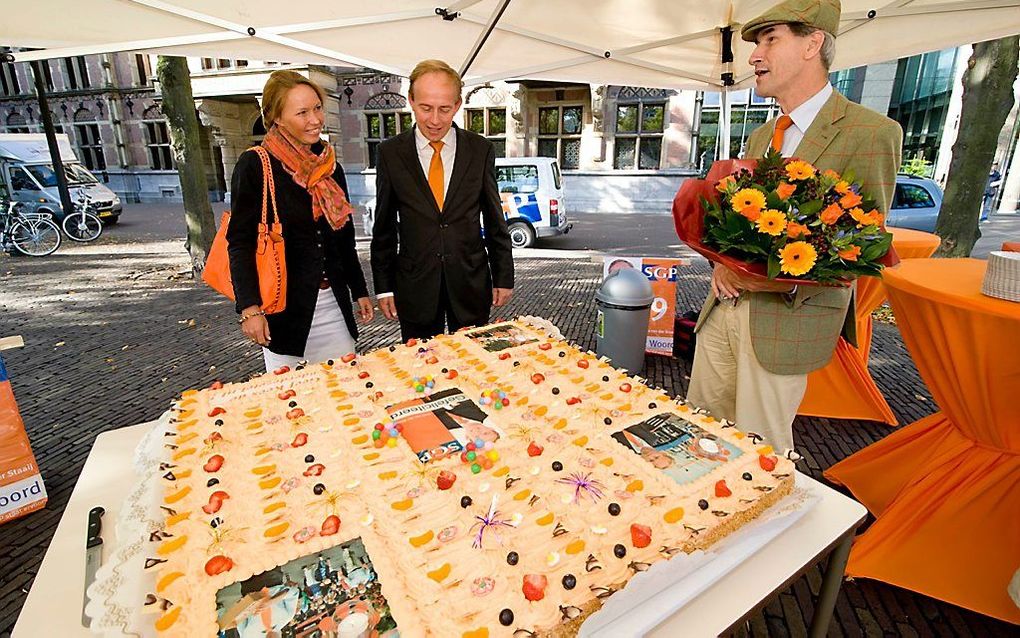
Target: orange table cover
[(844, 389), (946, 489)]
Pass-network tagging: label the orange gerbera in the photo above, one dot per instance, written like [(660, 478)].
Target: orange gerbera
[(751, 213), (831, 174), (841, 187), (831, 213), (795, 230), (772, 222), (797, 258), (799, 170), (725, 183), (784, 190), (748, 198), (850, 200), (850, 254)]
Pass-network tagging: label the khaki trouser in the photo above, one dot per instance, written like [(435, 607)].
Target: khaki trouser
[(728, 381)]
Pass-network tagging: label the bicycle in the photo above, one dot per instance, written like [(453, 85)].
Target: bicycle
[(82, 224), (34, 234)]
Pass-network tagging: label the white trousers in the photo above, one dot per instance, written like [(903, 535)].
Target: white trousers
[(328, 338), (728, 381)]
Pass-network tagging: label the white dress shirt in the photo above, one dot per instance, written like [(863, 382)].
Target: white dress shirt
[(448, 155), (802, 117)]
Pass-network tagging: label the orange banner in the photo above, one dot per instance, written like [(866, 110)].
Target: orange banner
[(21, 486), (661, 273)]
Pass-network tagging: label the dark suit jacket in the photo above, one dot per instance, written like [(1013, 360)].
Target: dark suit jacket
[(415, 246), (312, 249)]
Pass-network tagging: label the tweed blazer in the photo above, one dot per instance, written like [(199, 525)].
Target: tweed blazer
[(797, 335)]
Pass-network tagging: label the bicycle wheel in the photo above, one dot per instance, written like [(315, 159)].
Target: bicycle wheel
[(35, 237), (82, 226)]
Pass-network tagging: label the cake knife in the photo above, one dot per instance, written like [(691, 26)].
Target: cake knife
[(93, 556)]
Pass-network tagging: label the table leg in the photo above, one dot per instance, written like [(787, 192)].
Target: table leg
[(831, 581)]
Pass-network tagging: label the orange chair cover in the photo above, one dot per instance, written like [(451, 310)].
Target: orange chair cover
[(946, 489), (844, 389), (1011, 246)]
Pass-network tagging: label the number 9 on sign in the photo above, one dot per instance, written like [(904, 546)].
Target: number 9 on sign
[(659, 308)]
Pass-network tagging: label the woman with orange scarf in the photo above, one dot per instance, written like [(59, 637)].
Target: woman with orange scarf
[(323, 270)]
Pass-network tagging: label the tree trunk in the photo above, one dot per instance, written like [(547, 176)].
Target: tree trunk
[(987, 100), (179, 108)]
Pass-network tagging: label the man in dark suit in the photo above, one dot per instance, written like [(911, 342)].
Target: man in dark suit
[(431, 264)]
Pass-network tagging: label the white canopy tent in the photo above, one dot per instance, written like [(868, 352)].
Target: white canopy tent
[(676, 44)]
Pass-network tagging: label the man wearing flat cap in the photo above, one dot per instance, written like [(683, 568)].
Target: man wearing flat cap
[(757, 341)]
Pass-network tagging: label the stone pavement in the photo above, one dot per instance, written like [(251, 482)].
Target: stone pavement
[(113, 334)]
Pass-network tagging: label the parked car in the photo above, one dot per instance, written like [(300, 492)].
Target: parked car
[(27, 172), (532, 193), (916, 203)]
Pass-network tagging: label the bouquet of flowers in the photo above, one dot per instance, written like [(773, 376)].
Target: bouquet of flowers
[(784, 220)]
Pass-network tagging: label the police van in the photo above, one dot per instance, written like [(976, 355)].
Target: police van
[(531, 190)]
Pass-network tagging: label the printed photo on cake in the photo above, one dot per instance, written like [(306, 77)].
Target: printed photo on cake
[(681, 449), (501, 337), (330, 594), (441, 424)]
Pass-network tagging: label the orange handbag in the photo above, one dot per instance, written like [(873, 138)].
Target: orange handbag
[(269, 255)]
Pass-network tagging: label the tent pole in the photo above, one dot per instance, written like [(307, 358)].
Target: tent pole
[(726, 35), (51, 138), (484, 36)]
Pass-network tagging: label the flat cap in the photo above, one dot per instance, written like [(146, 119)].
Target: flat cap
[(821, 14)]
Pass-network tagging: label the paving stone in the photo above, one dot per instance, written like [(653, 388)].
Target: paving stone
[(97, 303)]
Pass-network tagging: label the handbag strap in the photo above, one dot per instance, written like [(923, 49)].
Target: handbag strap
[(268, 190)]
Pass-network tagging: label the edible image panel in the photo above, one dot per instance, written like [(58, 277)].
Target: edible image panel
[(682, 450)]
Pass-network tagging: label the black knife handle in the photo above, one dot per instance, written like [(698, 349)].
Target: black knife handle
[(95, 527)]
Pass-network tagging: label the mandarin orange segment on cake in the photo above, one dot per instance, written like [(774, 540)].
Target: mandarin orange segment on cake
[(514, 495)]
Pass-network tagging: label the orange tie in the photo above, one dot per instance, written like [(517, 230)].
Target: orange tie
[(784, 122), (436, 173)]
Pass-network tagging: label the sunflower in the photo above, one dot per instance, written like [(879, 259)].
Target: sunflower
[(850, 254), (797, 258), (850, 200), (798, 170), (748, 198), (795, 230), (772, 222), (831, 214), (784, 190)]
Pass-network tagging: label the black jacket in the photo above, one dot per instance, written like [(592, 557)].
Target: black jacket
[(413, 255), (312, 249)]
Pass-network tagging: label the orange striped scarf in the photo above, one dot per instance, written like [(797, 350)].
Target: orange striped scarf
[(313, 173)]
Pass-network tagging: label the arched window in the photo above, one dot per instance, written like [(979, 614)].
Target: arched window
[(16, 123), (385, 116)]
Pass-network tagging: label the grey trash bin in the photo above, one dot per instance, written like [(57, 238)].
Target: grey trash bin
[(621, 326)]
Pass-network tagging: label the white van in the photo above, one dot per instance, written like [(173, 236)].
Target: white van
[(532, 193), (27, 173)]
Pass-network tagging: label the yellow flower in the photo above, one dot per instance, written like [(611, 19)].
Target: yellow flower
[(748, 198), (772, 222), (797, 258), (798, 170)]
